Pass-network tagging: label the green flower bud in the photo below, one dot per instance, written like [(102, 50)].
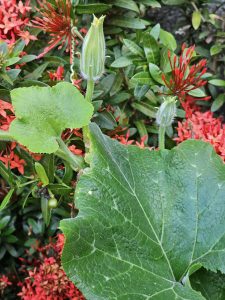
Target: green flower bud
[(167, 112), (92, 63)]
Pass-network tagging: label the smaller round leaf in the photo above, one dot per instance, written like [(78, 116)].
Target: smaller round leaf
[(42, 113)]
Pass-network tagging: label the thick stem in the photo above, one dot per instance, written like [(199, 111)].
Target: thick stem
[(88, 98), (5, 136), (162, 131), (90, 90), (76, 162)]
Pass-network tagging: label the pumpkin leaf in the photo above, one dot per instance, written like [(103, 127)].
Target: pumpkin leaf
[(145, 219), (42, 113)]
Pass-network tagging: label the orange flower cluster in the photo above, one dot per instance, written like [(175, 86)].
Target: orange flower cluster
[(203, 126), (48, 281), (8, 156), (125, 139), (11, 159), (14, 17), (4, 282), (6, 114)]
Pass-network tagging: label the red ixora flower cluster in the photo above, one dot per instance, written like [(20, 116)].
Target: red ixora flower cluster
[(203, 126), (125, 138), (185, 77), (14, 17), (4, 282), (56, 21), (6, 114), (48, 281), (8, 156)]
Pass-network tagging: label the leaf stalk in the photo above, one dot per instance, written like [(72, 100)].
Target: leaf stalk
[(76, 162), (162, 131)]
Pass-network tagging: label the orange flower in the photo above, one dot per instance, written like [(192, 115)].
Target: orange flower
[(13, 161), (75, 150), (13, 19), (185, 77), (58, 75), (27, 37), (203, 126), (56, 21)]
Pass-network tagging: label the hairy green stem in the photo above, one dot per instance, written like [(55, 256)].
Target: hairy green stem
[(162, 131), (90, 90), (88, 98), (76, 162)]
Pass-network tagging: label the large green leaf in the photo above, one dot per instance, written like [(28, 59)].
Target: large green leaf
[(42, 113), (145, 217)]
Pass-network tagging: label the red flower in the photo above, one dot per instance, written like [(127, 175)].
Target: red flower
[(6, 115), (58, 75), (4, 282), (13, 19), (142, 142), (124, 139), (56, 21), (9, 159), (185, 77), (75, 150), (27, 37), (77, 83), (203, 126), (13, 161), (47, 280), (4, 106), (190, 105)]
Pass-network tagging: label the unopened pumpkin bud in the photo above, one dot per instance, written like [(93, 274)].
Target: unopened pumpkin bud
[(167, 112), (92, 62)]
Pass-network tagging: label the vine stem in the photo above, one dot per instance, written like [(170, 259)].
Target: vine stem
[(76, 162), (162, 131)]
